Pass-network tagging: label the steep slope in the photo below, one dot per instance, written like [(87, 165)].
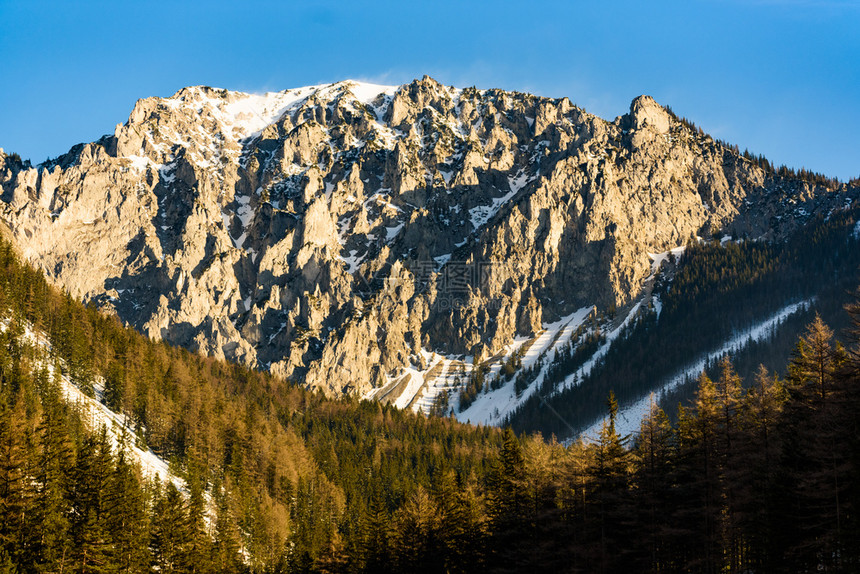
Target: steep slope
[(747, 299), (273, 477), (91, 408), (340, 234)]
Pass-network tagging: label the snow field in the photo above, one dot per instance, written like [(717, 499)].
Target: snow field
[(442, 373), (630, 416), (585, 369)]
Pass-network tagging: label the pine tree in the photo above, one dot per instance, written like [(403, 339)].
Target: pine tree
[(506, 501), (313, 515), (462, 523), (730, 466), (126, 517), (758, 487), (199, 551), (574, 504), (416, 542), (814, 362), (847, 414), (699, 510), (654, 456), (91, 541), (53, 472), (609, 499), (374, 534), (225, 546), (90, 550), (447, 503), (544, 534), (115, 386), (14, 495), (814, 450), (170, 540)]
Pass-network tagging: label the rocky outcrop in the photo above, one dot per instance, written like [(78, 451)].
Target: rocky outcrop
[(331, 233)]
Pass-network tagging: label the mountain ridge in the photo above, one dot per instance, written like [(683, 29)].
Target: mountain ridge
[(337, 239)]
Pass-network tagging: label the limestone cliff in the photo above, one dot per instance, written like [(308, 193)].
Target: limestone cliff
[(332, 233)]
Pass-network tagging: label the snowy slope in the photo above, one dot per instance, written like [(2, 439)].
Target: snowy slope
[(493, 406), (97, 415), (418, 389), (630, 416), (585, 369)]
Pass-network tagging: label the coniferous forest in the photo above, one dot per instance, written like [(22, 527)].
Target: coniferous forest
[(716, 290), (757, 474)]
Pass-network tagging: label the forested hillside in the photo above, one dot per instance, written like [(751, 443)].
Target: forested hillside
[(717, 290), (757, 476), (289, 477)]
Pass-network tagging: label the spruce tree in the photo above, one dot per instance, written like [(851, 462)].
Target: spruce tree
[(462, 523), (91, 541), (170, 540), (506, 500), (200, 545), (654, 458), (126, 517), (609, 498), (15, 492), (225, 544), (53, 476), (374, 534)]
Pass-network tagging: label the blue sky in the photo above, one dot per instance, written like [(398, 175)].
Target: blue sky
[(780, 77)]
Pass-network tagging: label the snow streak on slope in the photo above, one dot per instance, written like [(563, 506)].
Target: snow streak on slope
[(493, 406), (445, 375), (630, 416), (585, 369), (97, 415), (419, 389)]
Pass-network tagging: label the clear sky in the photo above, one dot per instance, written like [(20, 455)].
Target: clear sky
[(780, 77)]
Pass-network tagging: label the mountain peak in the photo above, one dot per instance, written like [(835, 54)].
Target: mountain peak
[(312, 231), (645, 111)]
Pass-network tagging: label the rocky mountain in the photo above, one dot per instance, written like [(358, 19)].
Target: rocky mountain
[(383, 241)]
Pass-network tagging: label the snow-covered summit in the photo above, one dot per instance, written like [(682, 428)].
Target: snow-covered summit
[(246, 114)]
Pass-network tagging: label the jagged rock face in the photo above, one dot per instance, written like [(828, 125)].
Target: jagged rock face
[(331, 233)]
